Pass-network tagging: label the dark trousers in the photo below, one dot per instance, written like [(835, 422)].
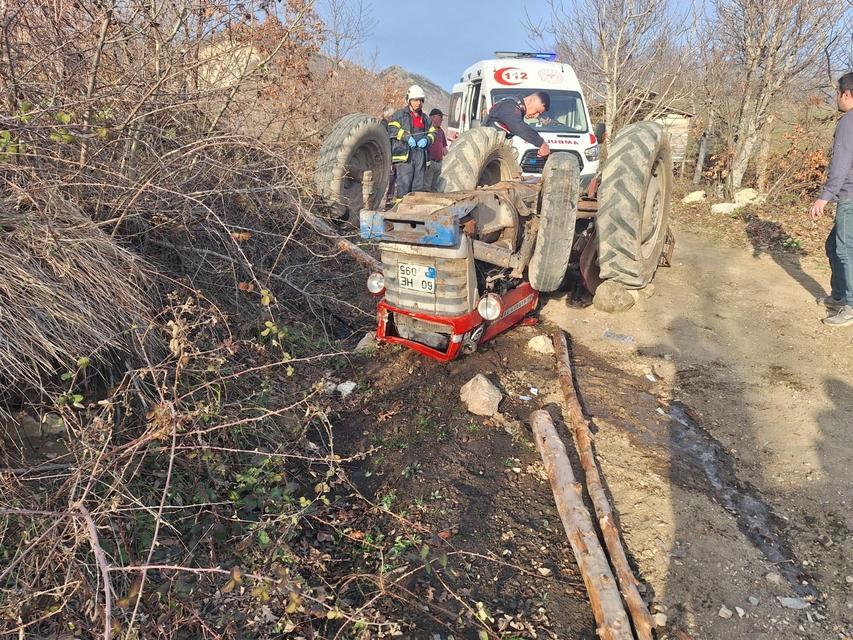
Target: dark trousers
[(411, 175)]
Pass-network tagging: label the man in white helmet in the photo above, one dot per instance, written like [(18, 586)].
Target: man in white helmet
[(411, 132)]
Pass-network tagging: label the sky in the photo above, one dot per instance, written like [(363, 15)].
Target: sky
[(441, 44)]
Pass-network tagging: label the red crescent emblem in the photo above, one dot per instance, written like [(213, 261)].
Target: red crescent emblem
[(501, 76)]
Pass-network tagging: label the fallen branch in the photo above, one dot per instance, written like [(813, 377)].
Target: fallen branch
[(610, 616), (583, 441), (358, 254), (103, 565)]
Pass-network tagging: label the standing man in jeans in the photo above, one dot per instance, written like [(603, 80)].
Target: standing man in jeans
[(839, 187)]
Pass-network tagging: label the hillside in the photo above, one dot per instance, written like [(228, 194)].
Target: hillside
[(435, 95)]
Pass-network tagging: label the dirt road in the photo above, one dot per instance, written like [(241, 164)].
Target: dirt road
[(727, 441)]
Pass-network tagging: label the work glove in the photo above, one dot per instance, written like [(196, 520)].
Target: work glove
[(422, 143), (412, 142)]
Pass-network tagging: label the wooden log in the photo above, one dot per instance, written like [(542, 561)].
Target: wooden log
[(579, 425), (326, 230), (610, 616)]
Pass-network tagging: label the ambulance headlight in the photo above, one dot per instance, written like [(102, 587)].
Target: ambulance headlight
[(376, 283), (592, 153), (489, 307)]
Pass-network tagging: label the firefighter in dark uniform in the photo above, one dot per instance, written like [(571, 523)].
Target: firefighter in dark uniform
[(508, 115), (411, 132)]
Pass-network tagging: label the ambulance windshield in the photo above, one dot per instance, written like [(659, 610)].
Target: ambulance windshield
[(565, 116)]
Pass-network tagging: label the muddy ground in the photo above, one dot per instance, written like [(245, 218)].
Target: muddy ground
[(722, 409), (723, 415)]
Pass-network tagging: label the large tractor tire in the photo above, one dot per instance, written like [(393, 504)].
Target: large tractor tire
[(558, 202), (357, 143), (633, 205), (478, 158)]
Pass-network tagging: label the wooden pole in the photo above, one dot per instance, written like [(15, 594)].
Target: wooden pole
[(610, 616), (583, 441)]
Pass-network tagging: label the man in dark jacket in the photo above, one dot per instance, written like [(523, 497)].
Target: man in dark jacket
[(508, 115), (411, 132), (839, 187), (438, 149)]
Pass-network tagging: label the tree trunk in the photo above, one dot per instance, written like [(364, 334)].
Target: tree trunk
[(595, 487), (743, 153), (702, 152), (613, 623), (763, 160), (610, 106)]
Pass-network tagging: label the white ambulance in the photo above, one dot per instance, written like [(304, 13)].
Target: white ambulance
[(565, 127)]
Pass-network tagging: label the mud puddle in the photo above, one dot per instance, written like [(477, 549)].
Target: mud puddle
[(692, 445)]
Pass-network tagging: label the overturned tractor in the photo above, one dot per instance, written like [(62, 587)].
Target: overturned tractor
[(464, 263)]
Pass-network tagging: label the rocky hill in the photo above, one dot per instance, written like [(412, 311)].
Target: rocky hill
[(435, 95)]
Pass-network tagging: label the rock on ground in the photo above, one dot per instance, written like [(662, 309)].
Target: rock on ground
[(694, 196), (480, 396), (748, 196), (612, 297), (346, 388), (541, 344), (725, 208), (367, 343)]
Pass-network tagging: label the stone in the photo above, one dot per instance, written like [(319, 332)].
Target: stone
[(753, 601), (28, 425), (613, 297), (345, 388), (52, 424), (775, 579), (660, 619), (724, 612), (849, 579), (740, 612), (541, 344), (367, 343), (725, 208), (793, 603), (648, 291), (693, 197), (480, 396), (748, 196), (544, 571)]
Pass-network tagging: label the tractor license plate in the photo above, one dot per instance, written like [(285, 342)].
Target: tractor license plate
[(417, 277)]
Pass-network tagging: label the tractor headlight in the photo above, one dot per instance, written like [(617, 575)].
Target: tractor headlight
[(592, 153), (376, 283), (489, 307)]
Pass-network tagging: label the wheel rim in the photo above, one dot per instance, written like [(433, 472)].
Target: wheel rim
[(653, 210), (366, 158), (491, 173)]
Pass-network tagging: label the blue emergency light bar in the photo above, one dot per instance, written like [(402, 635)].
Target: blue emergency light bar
[(541, 55)]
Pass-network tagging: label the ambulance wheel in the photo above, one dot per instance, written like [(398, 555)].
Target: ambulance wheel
[(558, 202), (633, 204), (478, 158), (357, 143)]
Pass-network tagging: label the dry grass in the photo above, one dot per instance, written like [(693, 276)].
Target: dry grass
[(71, 297)]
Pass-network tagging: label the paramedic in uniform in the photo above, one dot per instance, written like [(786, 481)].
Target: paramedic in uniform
[(508, 114), (411, 132)]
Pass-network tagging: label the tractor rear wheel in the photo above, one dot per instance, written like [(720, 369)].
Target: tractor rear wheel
[(478, 158), (357, 143), (558, 201), (633, 204)]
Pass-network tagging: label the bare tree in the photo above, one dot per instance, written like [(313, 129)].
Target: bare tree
[(764, 46), (629, 53), (348, 25)]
